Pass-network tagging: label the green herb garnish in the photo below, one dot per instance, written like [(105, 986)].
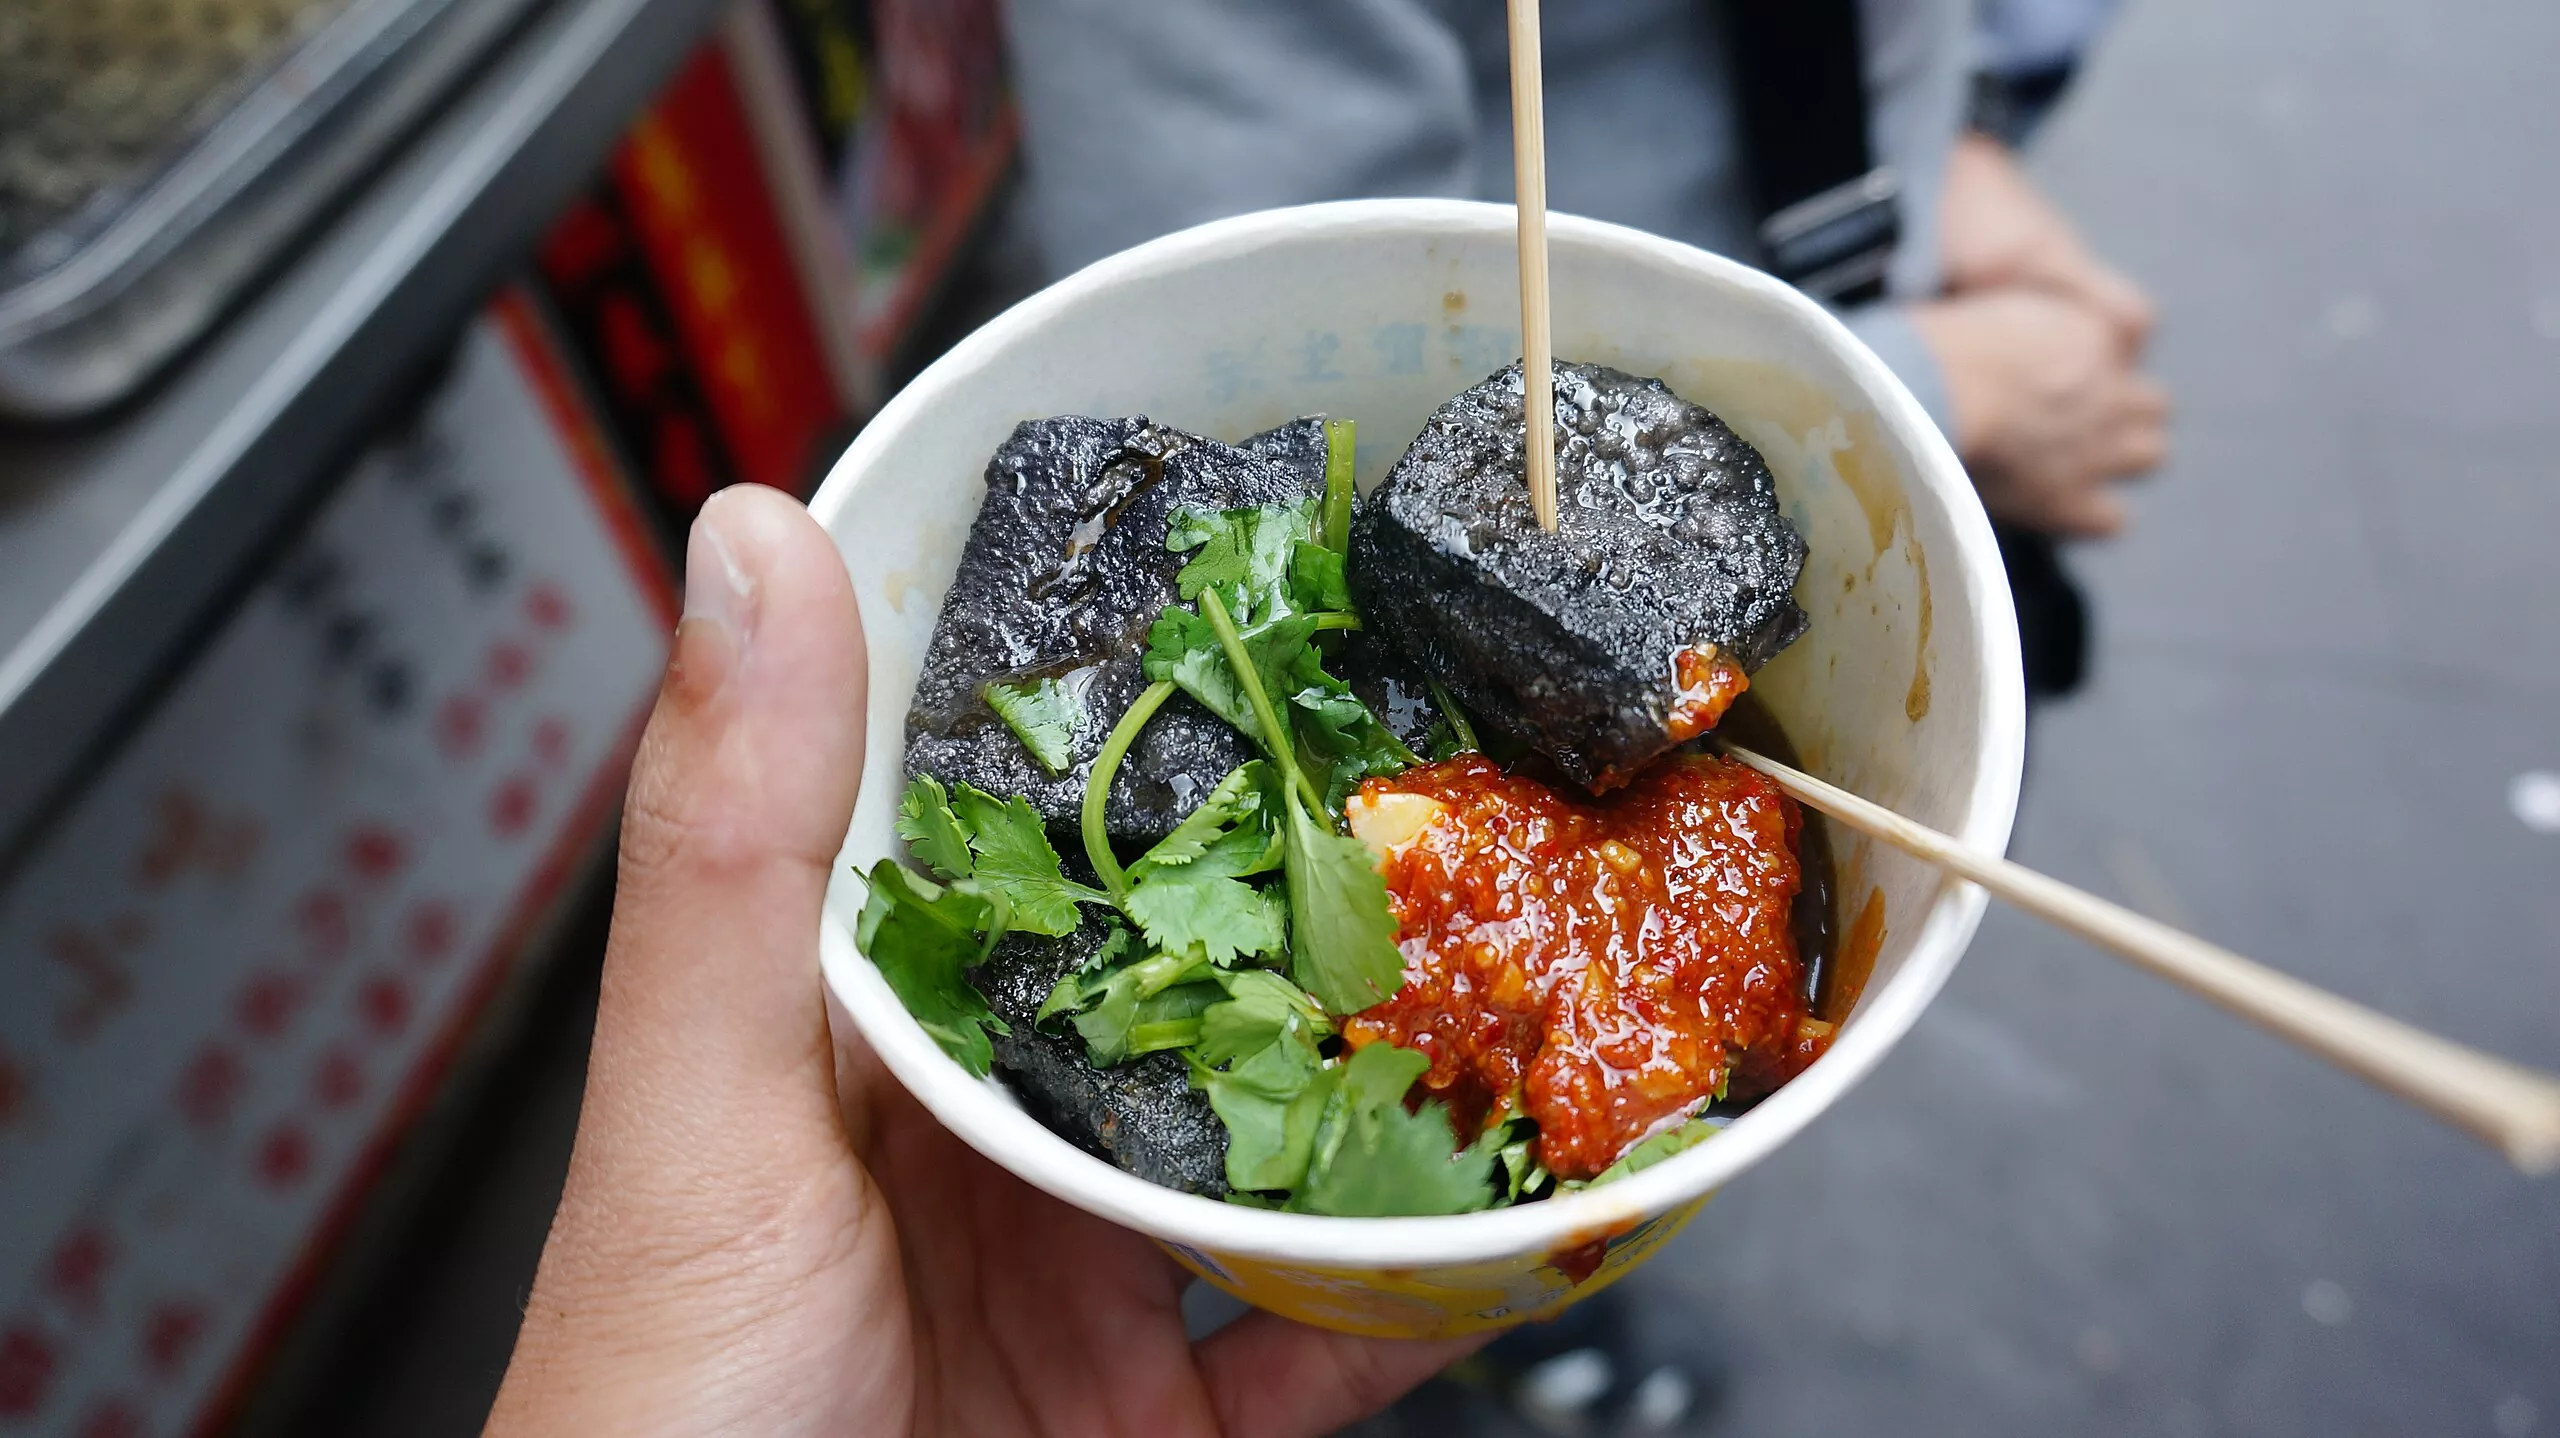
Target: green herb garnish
[(1043, 714), (1371, 1158), (1196, 910), (924, 937), (1666, 1144), (932, 831), (1316, 574), (1244, 555), (1279, 605), (1462, 735), (1000, 844), (1342, 945), (1257, 879), (1258, 1063), (1513, 1142), (1334, 531), (1097, 785), (1137, 1007), (1236, 812)]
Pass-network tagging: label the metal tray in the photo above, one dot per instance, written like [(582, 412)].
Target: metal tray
[(156, 154)]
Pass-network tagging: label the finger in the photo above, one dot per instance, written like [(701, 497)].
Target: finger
[(711, 1028), (2136, 439), (1271, 1377), (2136, 450), (2093, 513), (2128, 311), (2146, 400)]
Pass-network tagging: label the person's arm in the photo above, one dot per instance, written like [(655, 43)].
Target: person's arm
[(2043, 406), (1998, 231), (1892, 332), (2030, 359)]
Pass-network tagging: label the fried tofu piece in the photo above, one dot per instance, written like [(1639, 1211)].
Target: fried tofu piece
[(1064, 571), (1143, 1116), (1669, 578)]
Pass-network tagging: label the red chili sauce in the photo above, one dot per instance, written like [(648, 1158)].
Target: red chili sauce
[(1705, 683), (1604, 966)]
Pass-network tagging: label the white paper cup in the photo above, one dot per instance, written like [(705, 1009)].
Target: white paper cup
[(1906, 688)]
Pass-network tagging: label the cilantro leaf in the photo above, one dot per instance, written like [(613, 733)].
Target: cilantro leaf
[(1316, 578), (1262, 1008), (1340, 448), (1370, 1158), (1000, 844), (1342, 937), (1329, 740), (1273, 1085), (1135, 1008), (1196, 910), (924, 937), (1013, 858), (932, 831), (1187, 892), (1183, 646), (1119, 946), (1655, 1149), (1044, 714), (1245, 553), (1244, 795), (1513, 1143), (1171, 1019), (1338, 738), (1270, 1102), (1332, 733)]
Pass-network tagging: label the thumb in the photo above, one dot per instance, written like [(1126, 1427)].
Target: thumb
[(710, 1104), (739, 798)]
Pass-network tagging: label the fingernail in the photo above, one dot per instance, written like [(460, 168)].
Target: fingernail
[(719, 612)]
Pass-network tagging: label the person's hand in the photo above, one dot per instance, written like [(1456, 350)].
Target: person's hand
[(2049, 413), (1997, 231), (762, 1234), (2038, 341)]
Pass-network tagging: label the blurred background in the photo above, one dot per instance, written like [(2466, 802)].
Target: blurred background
[(363, 360)]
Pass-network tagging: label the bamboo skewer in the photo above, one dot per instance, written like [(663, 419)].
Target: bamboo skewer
[(2513, 1108), (1529, 196)]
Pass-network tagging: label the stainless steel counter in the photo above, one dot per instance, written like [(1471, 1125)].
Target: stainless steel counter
[(120, 539)]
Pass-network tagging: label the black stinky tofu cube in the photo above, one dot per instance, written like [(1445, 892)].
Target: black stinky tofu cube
[(1668, 538), (1143, 1116), (1064, 571)]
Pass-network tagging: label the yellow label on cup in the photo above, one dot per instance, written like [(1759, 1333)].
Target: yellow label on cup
[(1438, 1302)]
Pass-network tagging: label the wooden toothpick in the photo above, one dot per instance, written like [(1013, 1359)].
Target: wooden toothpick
[(1529, 186), (2513, 1108)]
